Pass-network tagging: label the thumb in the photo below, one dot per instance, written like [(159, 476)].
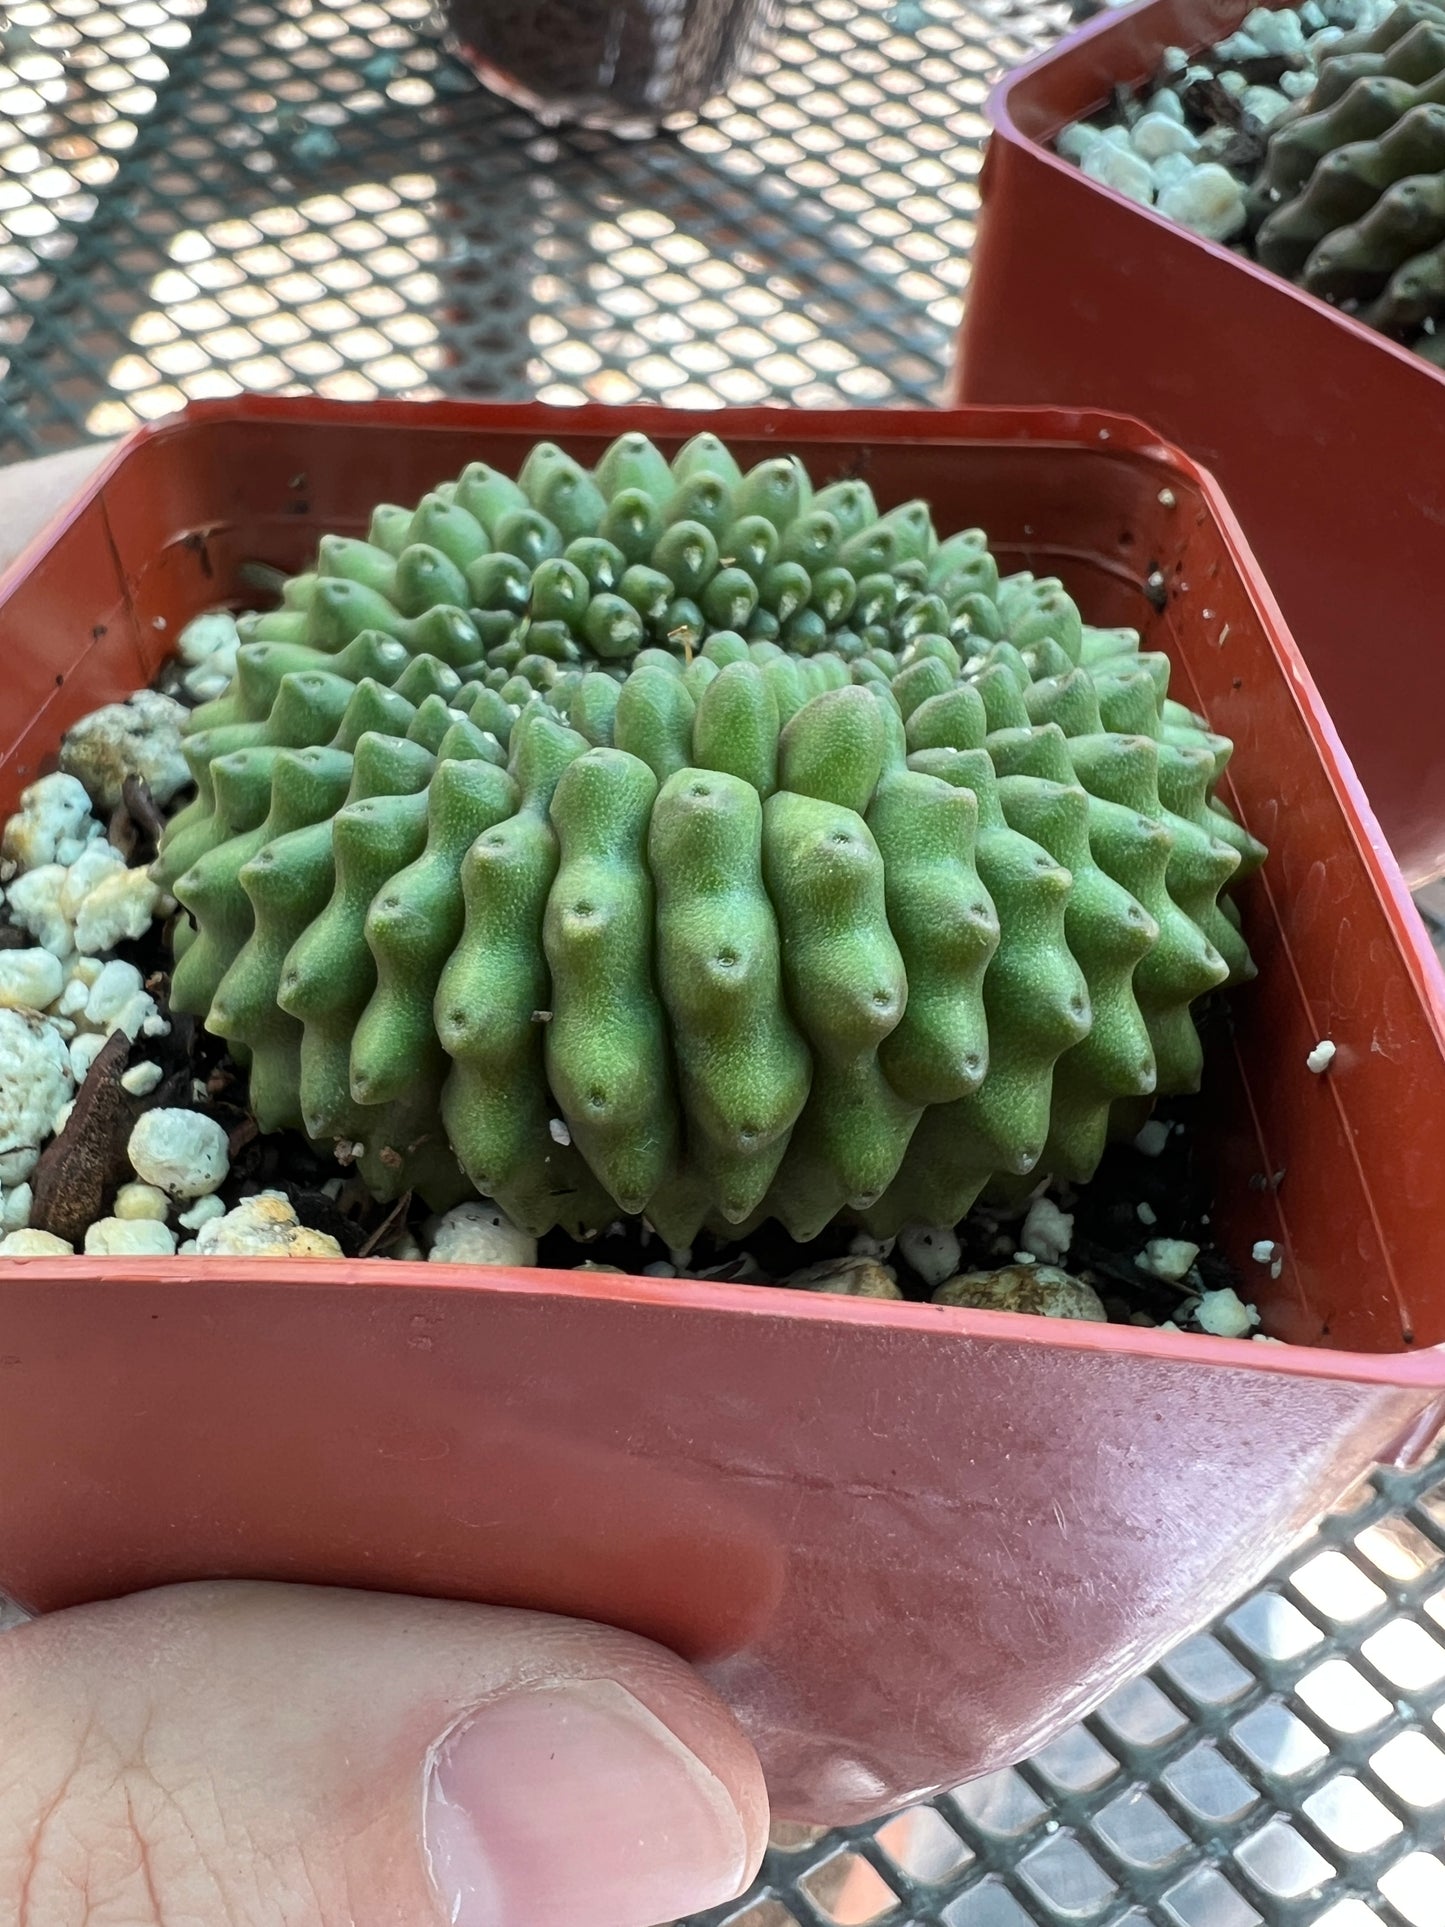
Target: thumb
[(241, 1755)]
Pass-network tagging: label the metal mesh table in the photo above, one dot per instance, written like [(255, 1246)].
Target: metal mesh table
[(291, 195), (286, 194)]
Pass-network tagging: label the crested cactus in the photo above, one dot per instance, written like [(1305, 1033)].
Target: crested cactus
[(679, 840), (1350, 200)]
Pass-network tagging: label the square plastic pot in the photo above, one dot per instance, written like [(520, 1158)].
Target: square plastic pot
[(1325, 436), (908, 1543)]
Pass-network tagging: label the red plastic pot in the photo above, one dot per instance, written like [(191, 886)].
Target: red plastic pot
[(1325, 437), (908, 1543)]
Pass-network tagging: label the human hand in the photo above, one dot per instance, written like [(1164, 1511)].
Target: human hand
[(244, 1755)]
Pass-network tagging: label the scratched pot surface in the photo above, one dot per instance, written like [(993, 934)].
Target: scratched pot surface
[(1288, 1766)]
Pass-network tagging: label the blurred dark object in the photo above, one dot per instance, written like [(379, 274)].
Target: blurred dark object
[(627, 65)]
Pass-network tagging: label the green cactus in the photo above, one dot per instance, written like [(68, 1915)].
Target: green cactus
[(713, 848), (1350, 200)]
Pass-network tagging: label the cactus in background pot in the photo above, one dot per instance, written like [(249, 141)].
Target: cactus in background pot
[(666, 838), (1350, 201)]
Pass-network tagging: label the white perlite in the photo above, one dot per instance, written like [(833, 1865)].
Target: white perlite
[(1116, 167), (1265, 32), (202, 1212), (1321, 1057), (1210, 203), (29, 979), (478, 1233), (1152, 1138), (83, 1052), (864, 1245), (37, 904), (210, 640), (1168, 1258), (129, 1238), (141, 1079), (1224, 1314), (140, 738), (121, 906), (35, 1081), (1264, 104), (1267, 1252), (34, 1244), (1168, 171), (181, 1152), (205, 684), (142, 1201), (1047, 1231), (70, 889), (933, 1251), (91, 904), (1159, 161), (96, 864), (52, 825), (73, 999), (15, 1207), (1078, 140), (265, 1226), (1156, 135), (112, 990)]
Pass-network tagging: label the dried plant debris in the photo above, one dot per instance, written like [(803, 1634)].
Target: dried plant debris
[(85, 1162)]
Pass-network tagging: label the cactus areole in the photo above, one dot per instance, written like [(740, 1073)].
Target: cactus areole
[(666, 839)]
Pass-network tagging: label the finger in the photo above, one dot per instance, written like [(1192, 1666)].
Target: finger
[(286, 1756)]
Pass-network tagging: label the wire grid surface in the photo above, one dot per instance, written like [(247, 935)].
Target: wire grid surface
[(286, 195), (1286, 1767), (278, 195)]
